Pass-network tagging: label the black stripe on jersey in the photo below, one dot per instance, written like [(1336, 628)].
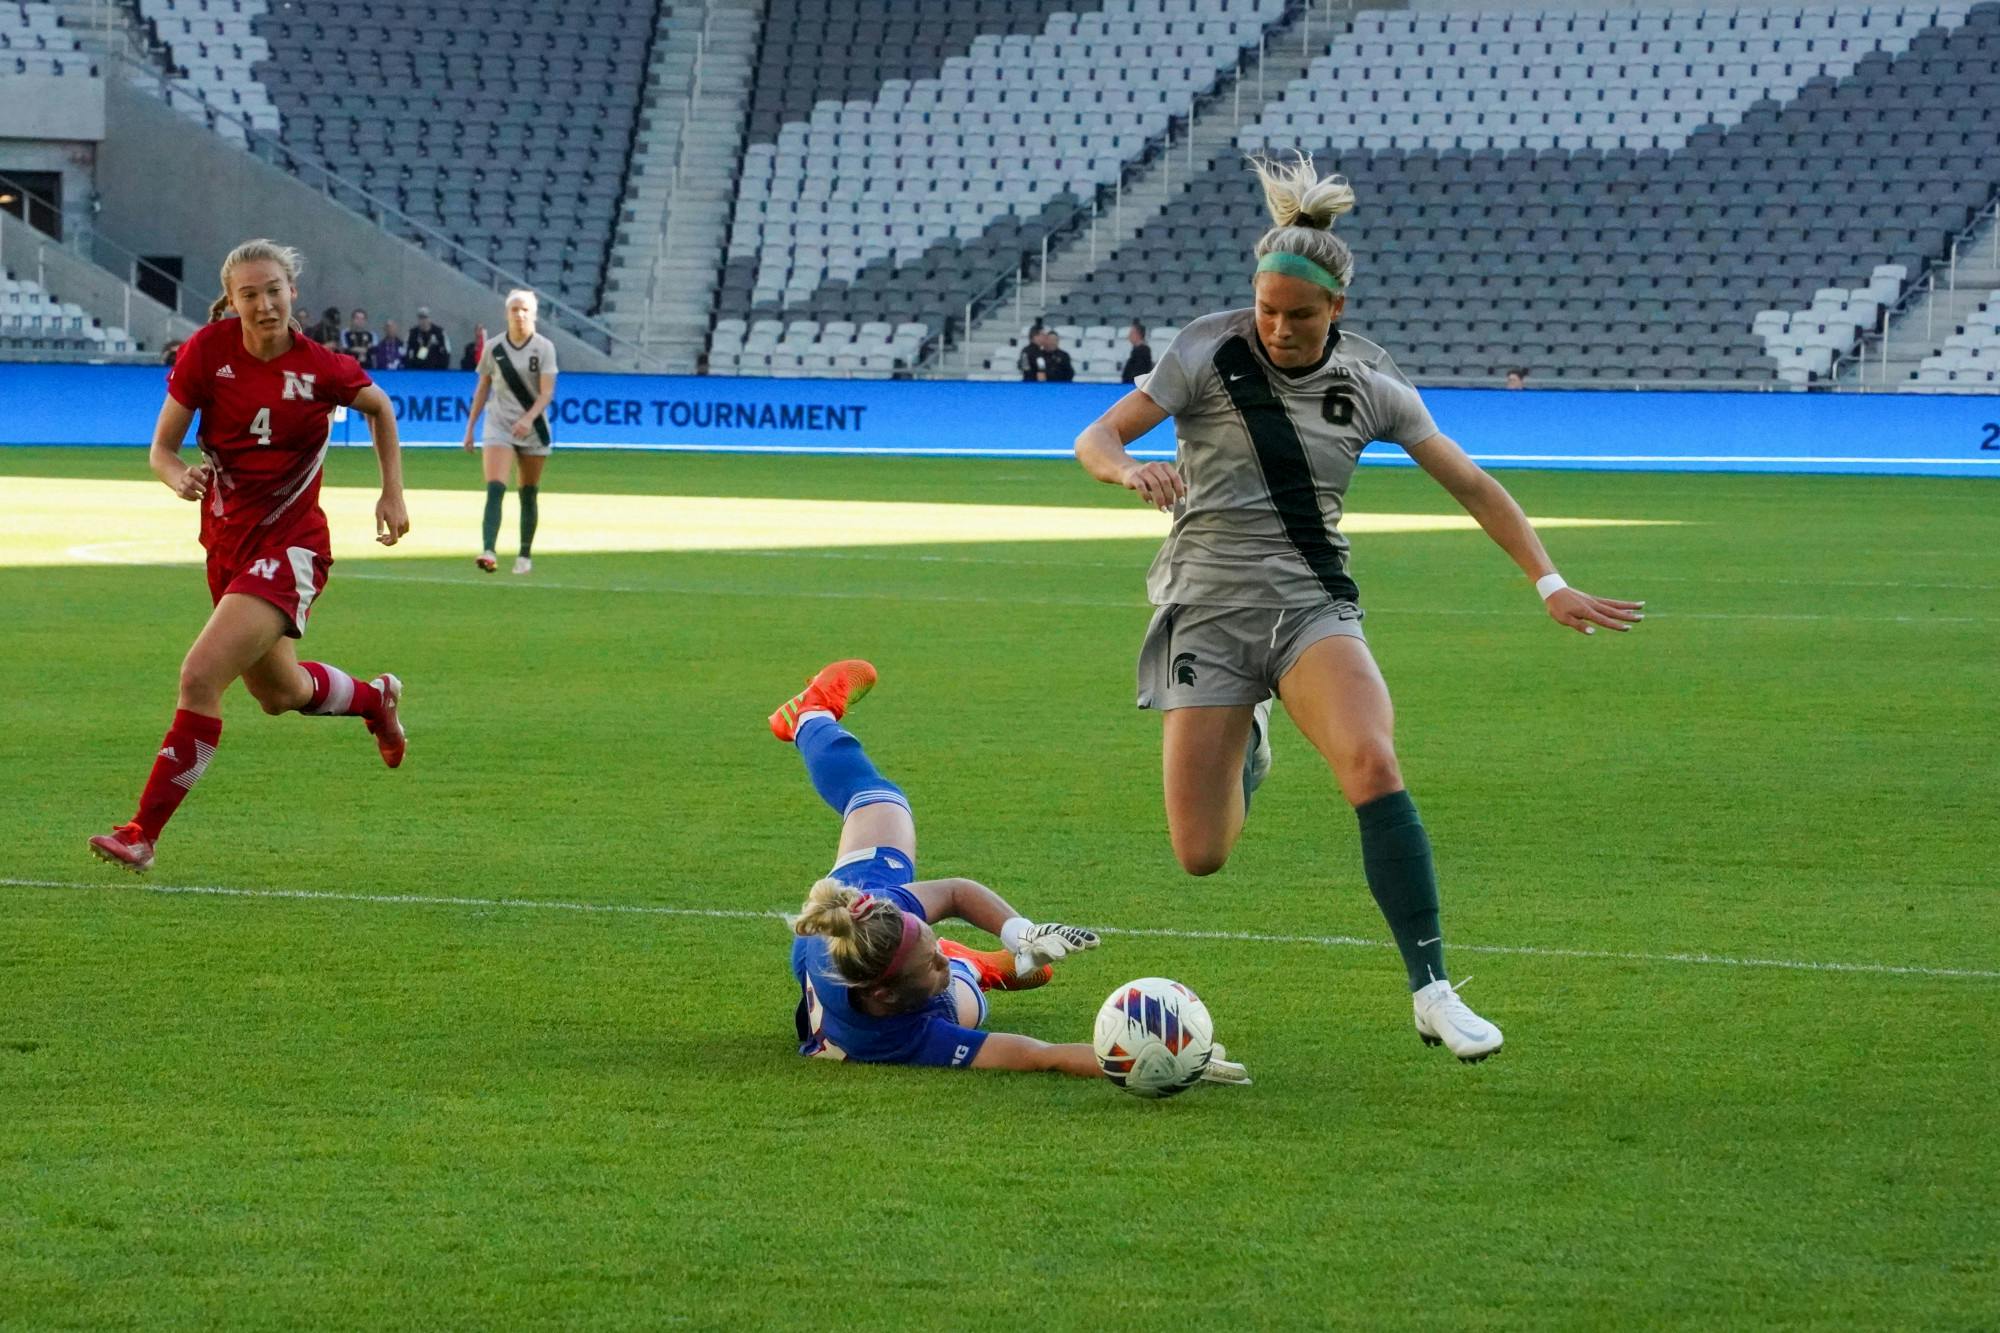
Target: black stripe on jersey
[(1281, 455), (520, 388)]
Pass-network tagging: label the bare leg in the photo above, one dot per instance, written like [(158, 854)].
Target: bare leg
[(277, 681), (1336, 696), (1201, 754), (240, 632)]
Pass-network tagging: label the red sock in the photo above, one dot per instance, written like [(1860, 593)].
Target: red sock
[(337, 694), (183, 758)]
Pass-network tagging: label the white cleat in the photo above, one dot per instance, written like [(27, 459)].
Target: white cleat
[(523, 565), (1257, 758), (1443, 1017)]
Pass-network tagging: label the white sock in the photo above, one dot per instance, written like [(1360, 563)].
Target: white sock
[(808, 716)]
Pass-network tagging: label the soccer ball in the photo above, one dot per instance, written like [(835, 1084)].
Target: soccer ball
[(1153, 1037)]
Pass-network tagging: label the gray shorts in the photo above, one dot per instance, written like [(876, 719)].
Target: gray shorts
[(531, 447), (1210, 656)]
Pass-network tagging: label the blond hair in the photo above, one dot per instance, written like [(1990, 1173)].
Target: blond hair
[(284, 256), (1303, 205), (861, 944), (534, 301)]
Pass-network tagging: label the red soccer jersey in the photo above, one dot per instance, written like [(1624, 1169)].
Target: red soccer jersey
[(264, 428)]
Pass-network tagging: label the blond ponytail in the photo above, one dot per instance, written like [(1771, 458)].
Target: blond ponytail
[(861, 943), (1304, 205)]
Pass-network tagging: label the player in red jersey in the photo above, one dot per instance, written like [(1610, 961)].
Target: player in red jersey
[(266, 395)]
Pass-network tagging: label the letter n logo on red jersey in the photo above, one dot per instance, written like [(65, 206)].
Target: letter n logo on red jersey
[(264, 569), (298, 386)]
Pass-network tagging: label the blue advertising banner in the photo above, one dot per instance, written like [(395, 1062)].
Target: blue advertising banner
[(1939, 435)]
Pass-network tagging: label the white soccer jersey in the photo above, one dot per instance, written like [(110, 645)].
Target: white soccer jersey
[(516, 373)]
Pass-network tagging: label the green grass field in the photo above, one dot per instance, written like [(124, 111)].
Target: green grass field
[(378, 1085)]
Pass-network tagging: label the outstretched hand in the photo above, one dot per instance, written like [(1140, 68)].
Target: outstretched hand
[(1158, 484), (1583, 613), (1221, 1069), (1049, 943)]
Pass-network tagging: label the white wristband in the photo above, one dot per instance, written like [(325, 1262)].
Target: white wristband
[(1548, 585), (1013, 933)]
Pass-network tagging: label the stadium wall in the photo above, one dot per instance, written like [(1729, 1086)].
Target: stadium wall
[(1935, 435), (170, 187)]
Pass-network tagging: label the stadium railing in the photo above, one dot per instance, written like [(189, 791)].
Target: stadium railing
[(351, 195), (1922, 287)]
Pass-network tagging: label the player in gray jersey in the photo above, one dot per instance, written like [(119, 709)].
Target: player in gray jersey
[(517, 382), (1272, 407)]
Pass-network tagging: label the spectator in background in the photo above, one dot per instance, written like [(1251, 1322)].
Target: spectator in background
[(327, 332), (388, 353), (1056, 367), (1517, 378), (474, 349), (1029, 362), (169, 350), (359, 341), (701, 363), (1141, 360), (427, 348)]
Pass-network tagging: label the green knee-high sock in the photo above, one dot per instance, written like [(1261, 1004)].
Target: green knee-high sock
[(531, 514), (489, 529), (1396, 854)]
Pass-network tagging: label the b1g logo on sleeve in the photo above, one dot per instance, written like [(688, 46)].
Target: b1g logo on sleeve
[(298, 386)]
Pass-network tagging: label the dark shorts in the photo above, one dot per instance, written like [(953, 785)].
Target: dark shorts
[(1215, 656)]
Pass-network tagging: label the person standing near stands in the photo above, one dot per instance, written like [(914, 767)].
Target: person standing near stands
[(517, 424), (427, 347), (1140, 362), (359, 341), (474, 350), (1056, 367), (388, 353), (327, 332), (1517, 378), (1029, 362)]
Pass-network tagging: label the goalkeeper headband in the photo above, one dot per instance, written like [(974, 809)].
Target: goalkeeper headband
[(1298, 266), (912, 928)]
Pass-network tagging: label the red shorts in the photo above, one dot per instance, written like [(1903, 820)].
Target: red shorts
[(288, 577)]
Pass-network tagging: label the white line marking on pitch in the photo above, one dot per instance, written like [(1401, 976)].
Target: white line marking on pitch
[(1137, 932), (892, 595)]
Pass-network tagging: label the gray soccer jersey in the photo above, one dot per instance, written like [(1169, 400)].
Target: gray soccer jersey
[(1267, 457), (516, 373)]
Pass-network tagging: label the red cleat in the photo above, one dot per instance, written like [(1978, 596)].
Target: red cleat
[(487, 562), (125, 846), (387, 726), (995, 967), (834, 690)]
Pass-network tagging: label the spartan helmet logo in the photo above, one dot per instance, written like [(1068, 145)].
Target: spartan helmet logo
[(1183, 668)]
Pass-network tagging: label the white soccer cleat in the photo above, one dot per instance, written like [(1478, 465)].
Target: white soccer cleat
[(1257, 757), (523, 565), (1443, 1017)]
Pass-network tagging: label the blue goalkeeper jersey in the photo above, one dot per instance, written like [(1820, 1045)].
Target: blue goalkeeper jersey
[(829, 1025)]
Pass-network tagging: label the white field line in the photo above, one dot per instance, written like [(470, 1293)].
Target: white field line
[(1132, 603), (1137, 932)]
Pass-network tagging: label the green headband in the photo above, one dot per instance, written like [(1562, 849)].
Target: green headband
[(1298, 266)]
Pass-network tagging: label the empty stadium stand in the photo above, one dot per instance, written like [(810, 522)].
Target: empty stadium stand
[(31, 320), (1605, 195), (214, 48), (1970, 358), (33, 41), (910, 197)]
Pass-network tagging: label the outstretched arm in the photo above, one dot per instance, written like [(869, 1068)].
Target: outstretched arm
[(1495, 510), (1006, 1050), (1033, 946)]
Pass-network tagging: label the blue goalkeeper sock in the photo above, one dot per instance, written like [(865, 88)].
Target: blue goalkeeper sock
[(840, 770)]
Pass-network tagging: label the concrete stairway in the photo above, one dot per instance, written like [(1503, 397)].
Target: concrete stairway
[(668, 252), (1192, 150), (1922, 326)]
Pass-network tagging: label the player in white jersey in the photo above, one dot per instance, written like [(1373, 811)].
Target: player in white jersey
[(1273, 406), (517, 382)]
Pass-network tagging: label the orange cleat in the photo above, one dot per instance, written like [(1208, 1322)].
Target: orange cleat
[(125, 846), (995, 967), (387, 725), (834, 690)]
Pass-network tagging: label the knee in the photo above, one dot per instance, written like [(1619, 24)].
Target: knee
[(1201, 860), (1369, 773), (198, 687), (271, 703)]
